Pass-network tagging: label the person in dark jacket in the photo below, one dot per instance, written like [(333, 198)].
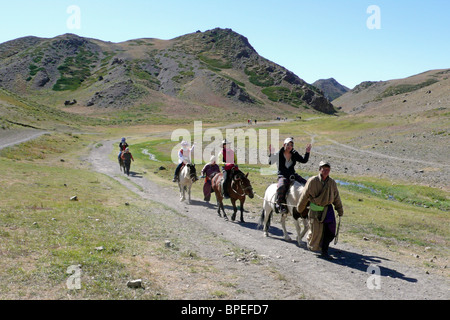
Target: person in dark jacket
[(127, 157), (122, 146), (286, 159)]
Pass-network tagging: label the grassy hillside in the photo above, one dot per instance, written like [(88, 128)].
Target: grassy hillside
[(216, 72), (415, 94)]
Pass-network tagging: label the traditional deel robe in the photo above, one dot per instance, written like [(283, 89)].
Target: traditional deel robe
[(322, 195), (209, 170)]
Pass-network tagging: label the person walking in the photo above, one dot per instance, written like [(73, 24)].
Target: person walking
[(322, 193), (127, 157)]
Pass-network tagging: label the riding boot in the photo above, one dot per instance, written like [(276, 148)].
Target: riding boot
[(280, 205), (177, 173), (225, 185)]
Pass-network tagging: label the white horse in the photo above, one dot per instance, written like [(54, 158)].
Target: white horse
[(188, 176), (292, 198)]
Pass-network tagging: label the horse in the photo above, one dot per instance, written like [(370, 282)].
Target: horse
[(238, 189), (188, 176), (122, 165), (292, 198)]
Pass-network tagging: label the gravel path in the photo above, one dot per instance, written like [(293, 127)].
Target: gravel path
[(285, 270)]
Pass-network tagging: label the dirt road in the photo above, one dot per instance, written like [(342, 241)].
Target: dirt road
[(12, 137), (284, 270)]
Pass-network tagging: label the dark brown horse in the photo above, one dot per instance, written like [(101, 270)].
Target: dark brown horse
[(238, 189), (122, 165)]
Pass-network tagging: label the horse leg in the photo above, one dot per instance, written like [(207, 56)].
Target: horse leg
[(242, 211), (189, 194), (218, 200), (223, 210), (283, 226), (265, 218), (299, 235), (233, 202), (305, 229), (182, 198)]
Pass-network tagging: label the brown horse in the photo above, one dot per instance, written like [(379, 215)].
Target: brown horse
[(238, 189), (122, 165)]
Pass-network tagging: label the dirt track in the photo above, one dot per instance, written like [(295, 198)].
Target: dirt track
[(285, 270)]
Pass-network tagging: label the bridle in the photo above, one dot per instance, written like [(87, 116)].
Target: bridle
[(241, 185)]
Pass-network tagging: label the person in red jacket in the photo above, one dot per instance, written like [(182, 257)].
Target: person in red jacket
[(127, 157)]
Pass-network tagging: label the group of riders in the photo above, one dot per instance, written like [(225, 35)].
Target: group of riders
[(320, 192)]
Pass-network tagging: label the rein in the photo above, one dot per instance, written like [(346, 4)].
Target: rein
[(241, 186)]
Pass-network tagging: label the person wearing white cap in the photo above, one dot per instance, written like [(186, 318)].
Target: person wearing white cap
[(184, 157), (322, 194), (286, 159), (208, 172)]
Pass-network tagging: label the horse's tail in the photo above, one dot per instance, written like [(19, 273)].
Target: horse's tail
[(261, 220)]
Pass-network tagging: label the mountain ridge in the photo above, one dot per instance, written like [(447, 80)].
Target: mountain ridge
[(422, 92), (331, 88), (217, 69)]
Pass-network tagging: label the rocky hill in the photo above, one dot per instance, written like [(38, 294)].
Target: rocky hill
[(419, 93), (331, 88), (216, 72)]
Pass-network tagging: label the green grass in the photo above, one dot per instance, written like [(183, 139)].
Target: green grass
[(44, 233), (75, 71), (214, 61), (283, 94), (259, 76), (405, 88)]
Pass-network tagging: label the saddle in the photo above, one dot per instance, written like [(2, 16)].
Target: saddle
[(295, 213)]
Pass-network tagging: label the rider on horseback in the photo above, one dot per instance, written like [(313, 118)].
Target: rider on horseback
[(208, 172), (229, 161), (127, 157), (122, 146), (184, 157), (286, 160)]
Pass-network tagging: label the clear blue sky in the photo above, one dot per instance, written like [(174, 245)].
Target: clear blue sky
[(314, 39)]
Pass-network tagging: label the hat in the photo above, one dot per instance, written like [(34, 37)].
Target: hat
[(324, 164), (213, 159), (127, 149), (289, 140), (184, 143), (123, 139), (225, 142)]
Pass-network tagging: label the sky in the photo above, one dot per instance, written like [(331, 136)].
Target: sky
[(349, 40)]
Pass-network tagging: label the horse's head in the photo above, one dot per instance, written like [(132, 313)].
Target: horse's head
[(192, 172), (244, 184)]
